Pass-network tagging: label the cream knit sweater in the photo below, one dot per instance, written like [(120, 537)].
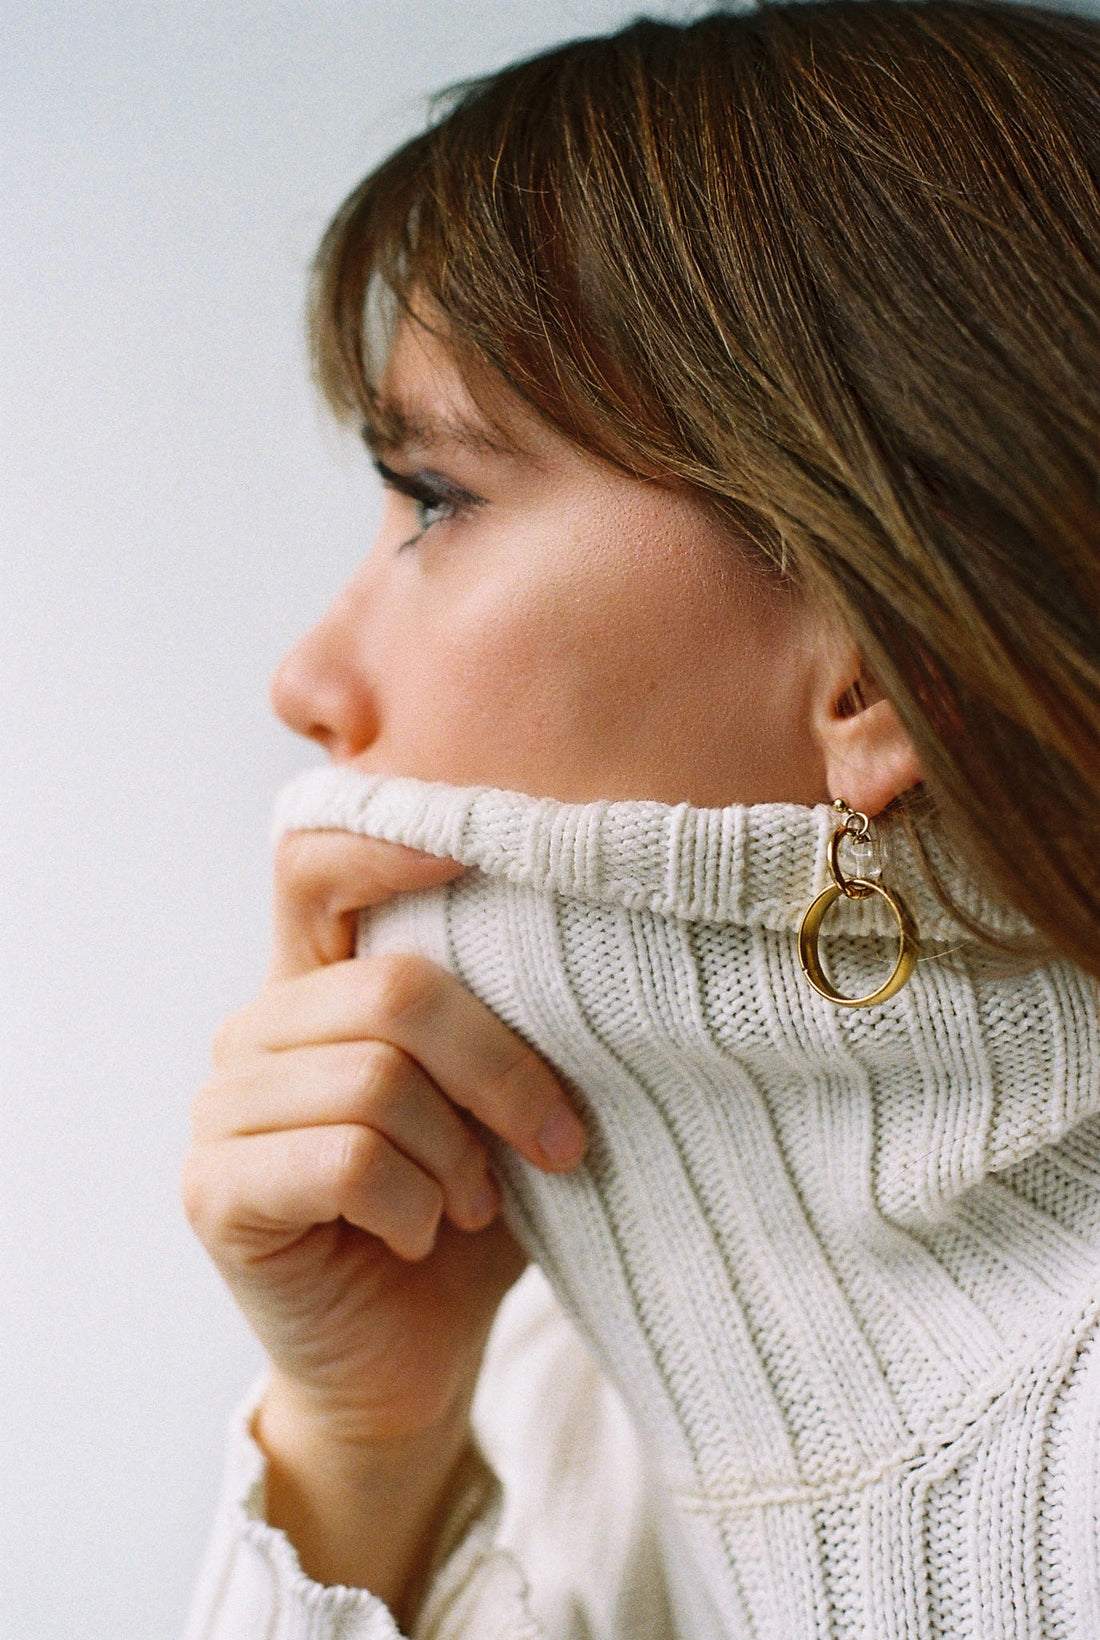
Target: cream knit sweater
[(842, 1266)]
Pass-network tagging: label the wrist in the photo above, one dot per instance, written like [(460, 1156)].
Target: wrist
[(353, 1445), (360, 1506)]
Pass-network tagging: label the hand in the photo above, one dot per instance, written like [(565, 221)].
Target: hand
[(339, 1185)]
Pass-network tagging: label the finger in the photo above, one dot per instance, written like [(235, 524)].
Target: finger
[(473, 1057), (323, 879), (369, 1083), (249, 1198)]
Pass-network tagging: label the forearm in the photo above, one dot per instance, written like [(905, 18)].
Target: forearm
[(360, 1513)]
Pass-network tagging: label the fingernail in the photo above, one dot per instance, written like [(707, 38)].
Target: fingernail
[(486, 1204), (561, 1137)]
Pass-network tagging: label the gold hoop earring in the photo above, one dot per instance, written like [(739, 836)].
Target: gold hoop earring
[(857, 827)]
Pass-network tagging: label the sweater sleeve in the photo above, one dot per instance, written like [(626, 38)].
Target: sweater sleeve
[(564, 1549), (252, 1586)]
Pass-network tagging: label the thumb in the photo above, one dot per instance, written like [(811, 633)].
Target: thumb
[(323, 879)]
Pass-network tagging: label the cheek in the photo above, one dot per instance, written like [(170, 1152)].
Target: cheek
[(638, 664), (553, 664), (526, 667), (490, 693)]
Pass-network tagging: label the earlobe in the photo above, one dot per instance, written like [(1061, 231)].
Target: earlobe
[(868, 755)]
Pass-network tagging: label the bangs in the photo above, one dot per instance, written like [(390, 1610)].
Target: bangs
[(493, 230)]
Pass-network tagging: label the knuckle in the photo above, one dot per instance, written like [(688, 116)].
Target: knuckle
[(377, 1072), (308, 869), (302, 883), (423, 1211), (292, 855), (403, 986), (226, 1044), (355, 1154)]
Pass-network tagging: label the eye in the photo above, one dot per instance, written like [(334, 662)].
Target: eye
[(432, 509), (436, 500)]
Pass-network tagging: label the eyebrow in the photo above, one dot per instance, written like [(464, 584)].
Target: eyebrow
[(401, 427)]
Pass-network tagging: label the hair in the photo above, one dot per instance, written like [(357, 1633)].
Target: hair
[(835, 268)]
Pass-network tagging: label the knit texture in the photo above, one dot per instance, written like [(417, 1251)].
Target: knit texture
[(844, 1266)]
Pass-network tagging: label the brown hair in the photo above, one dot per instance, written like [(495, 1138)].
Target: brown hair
[(835, 267)]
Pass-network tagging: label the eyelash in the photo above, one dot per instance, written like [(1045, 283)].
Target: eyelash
[(427, 490)]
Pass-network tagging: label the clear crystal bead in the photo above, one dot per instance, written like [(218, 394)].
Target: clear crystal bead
[(858, 859)]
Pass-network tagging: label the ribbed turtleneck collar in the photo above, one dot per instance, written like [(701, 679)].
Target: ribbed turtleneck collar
[(756, 866)]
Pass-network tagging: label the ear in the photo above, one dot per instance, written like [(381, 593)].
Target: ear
[(867, 754)]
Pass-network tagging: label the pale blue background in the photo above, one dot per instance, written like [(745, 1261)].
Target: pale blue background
[(174, 512)]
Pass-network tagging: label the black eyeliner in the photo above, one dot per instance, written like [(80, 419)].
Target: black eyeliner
[(424, 488)]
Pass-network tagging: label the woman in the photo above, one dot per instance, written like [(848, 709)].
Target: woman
[(735, 390)]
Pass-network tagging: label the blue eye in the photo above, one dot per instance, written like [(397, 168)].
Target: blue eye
[(435, 500), (432, 509)]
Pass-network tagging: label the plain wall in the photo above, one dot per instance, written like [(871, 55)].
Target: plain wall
[(174, 513)]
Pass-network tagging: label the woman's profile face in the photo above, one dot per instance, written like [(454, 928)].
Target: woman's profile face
[(533, 618)]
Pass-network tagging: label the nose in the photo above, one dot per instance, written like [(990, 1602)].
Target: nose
[(321, 690)]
